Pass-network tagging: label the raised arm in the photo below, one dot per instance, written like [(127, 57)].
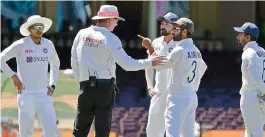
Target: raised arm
[(125, 61), (172, 59)]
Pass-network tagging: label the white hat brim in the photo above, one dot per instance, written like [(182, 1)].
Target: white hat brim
[(238, 29), (98, 18), (45, 21)]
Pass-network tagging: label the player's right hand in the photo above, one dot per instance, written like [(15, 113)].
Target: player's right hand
[(146, 43), (151, 92), (17, 83)]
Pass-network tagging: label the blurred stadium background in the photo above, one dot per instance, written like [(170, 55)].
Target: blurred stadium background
[(218, 112)]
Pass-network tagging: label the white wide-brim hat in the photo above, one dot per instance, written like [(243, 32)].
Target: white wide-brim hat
[(106, 12), (34, 20)]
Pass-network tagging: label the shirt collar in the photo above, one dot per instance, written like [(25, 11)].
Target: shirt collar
[(164, 43), (250, 45), (99, 28), (32, 42), (185, 41)]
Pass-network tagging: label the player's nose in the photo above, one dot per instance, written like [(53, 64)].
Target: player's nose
[(237, 37)]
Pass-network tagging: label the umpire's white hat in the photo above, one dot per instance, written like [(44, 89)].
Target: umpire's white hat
[(108, 11)]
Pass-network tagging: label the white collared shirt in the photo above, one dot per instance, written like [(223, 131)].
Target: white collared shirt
[(253, 68), (32, 62), (186, 67), (95, 52), (162, 49)]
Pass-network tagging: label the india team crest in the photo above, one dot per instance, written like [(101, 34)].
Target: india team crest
[(45, 50), (170, 49)]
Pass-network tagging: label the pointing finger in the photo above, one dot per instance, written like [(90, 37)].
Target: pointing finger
[(141, 37)]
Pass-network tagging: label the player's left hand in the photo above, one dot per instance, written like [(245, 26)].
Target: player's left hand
[(50, 91), (151, 92)]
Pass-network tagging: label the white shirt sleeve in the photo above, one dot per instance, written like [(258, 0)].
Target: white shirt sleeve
[(125, 61), (8, 53), (254, 73), (149, 77), (149, 73), (172, 59), (202, 70), (74, 58), (54, 65)]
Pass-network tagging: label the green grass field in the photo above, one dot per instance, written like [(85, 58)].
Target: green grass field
[(62, 110), (65, 86)]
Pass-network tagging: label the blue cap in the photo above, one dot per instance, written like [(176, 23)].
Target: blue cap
[(170, 17), (248, 28)]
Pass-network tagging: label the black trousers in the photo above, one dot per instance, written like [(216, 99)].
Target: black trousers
[(94, 102)]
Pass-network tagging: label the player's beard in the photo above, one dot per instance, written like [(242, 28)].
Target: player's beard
[(164, 32), (177, 37), (241, 42)]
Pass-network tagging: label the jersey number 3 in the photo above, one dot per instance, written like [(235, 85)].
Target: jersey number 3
[(194, 64), (263, 71)]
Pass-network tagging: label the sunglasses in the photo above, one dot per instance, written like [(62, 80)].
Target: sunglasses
[(37, 27), (177, 28)]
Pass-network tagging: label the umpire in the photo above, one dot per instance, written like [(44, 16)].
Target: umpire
[(94, 53)]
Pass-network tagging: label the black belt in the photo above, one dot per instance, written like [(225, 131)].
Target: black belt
[(104, 81)]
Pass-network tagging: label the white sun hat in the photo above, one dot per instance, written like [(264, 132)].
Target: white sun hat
[(108, 11), (34, 20)]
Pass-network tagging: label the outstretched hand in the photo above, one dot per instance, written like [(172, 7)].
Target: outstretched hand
[(146, 43)]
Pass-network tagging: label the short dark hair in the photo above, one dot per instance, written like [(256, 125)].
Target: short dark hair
[(189, 34), (251, 37)]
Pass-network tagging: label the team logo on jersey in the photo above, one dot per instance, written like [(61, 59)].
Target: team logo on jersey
[(45, 50), (170, 49), (260, 53)]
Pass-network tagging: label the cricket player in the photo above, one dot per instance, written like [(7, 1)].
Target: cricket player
[(186, 68), (33, 53), (161, 46), (252, 92), (95, 52)]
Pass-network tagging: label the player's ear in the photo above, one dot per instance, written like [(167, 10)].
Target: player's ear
[(185, 32), (249, 37)]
